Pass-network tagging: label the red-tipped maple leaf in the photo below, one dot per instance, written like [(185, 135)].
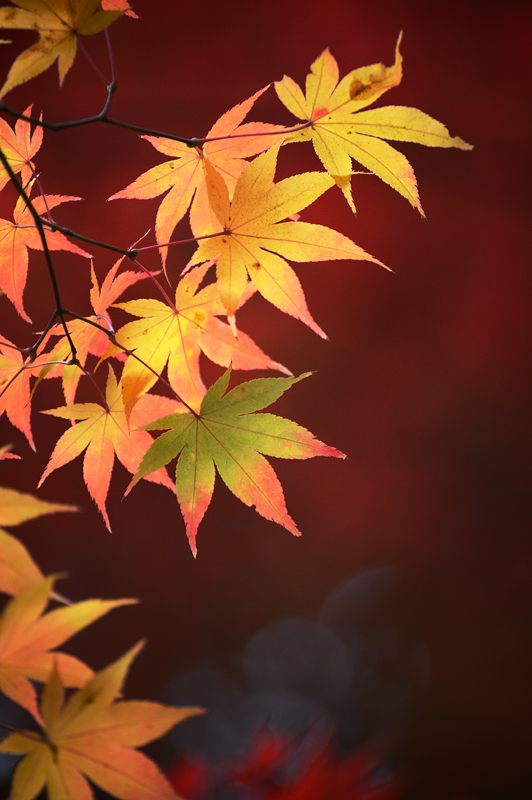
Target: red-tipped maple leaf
[(226, 437), (103, 432), (184, 177), (15, 239)]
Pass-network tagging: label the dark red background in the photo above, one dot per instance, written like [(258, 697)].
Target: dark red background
[(425, 382)]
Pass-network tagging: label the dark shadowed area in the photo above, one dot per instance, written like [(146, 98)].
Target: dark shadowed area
[(402, 618)]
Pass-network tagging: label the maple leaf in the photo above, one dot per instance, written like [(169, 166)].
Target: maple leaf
[(103, 432), (90, 736), (15, 397), (5, 453), (18, 571), (184, 177), (88, 339), (249, 236), (28, 638), (58, 23), (227, 437), (19, 507), (119, 5), (176, 335), (341, 131), (17, 236), (19, 147)]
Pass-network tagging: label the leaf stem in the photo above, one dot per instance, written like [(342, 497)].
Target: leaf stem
[(189, 240), (103, 117)]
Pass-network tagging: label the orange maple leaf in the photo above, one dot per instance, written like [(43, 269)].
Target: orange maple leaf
[(119, 5), (28, 638), (88, 339), (17, 236), (15, 393), (6, 454), (184, 177), (19, 147), (103, 432), (89, 735)]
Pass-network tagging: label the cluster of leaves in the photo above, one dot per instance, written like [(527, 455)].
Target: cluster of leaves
[(91, 733), (247, 227), (248, 232)]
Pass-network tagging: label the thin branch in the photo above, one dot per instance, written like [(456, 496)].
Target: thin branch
[(110, 55), (54, 226), (130, 252), (103, 117), (30, 364), (49, 263), (32, 351), (92, 63)]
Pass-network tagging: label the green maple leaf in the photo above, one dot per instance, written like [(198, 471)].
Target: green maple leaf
[(229, 438)]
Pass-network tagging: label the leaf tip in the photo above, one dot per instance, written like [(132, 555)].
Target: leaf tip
[(131, 485), (463, 145), (283, 369)]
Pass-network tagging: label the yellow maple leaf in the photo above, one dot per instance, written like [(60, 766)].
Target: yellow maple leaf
[(18, 507), (183, 179), (340, 131), (58, 23), (176, 335), (28, 636), (252, 238), (89, 735), (18, 571)]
